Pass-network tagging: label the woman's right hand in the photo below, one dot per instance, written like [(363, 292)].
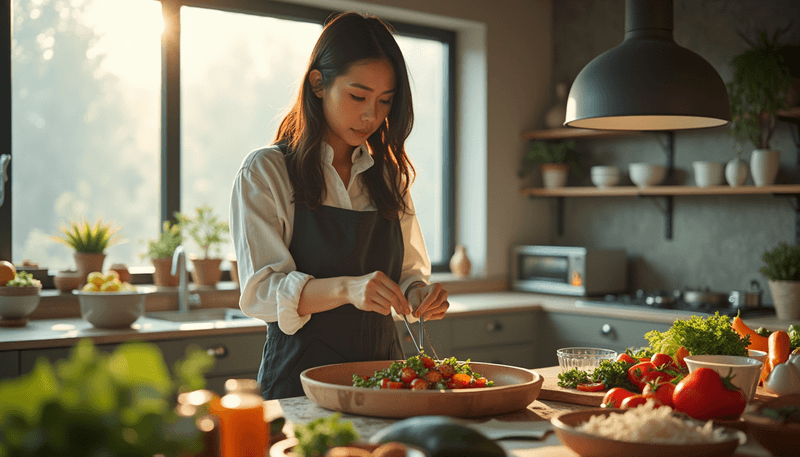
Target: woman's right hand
[(376, 292)]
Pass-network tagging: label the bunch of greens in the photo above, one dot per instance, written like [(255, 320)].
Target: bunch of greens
[(611, 373), (98, 404), (712, 335), (319, 435)]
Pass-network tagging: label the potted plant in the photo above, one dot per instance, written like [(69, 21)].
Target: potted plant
[(89, 243), (783, 274), (759, 88), (555, 160), (207, 230), (160, 253)]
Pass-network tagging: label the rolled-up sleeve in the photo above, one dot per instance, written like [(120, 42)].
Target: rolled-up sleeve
[(261, 218)]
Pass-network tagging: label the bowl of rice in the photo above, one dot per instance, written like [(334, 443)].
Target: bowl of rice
[(643, 431)]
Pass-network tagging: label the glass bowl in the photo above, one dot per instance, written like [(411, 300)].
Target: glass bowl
[(584, 359)]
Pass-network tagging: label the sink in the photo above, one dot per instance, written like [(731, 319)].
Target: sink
[(199, 315)]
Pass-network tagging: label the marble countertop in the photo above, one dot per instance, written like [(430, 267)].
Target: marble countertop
[(50, 333)]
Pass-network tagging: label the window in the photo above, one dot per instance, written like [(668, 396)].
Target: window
[(90, 138)]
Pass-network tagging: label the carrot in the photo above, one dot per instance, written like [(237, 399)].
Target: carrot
[(779, 351), (757, 342)]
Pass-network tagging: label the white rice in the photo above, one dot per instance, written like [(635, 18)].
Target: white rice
[(647, 423)]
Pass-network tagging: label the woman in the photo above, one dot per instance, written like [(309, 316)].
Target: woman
[(326, 238)]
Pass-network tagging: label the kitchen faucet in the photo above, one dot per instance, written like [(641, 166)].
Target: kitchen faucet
[(185, 299)]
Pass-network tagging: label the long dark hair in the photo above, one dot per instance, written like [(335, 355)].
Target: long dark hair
[(347, 39)]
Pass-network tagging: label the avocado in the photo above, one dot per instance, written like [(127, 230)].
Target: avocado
[(439, 436)]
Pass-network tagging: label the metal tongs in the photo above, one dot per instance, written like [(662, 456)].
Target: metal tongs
[(422, 334)]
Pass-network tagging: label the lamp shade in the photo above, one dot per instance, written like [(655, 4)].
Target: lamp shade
[(648, 82)]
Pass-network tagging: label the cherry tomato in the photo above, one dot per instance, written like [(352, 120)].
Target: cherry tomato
[(461, 380), (633, 401), (656, 376), (703, 394), (661, 392), (625, 357), (480, 382), (680, 355), (433, 376), (446, 370), (615, 396), (591, 387), (387, 383), (427, 362), (419, 384), (661, 360), (408, 374), (636, 372)]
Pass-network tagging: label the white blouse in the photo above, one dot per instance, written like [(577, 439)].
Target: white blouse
[(262, 221)]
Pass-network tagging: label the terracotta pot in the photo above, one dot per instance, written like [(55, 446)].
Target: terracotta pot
[(234, 272), (786, 297), (206, 271), (122, 271), (163, 276), (87, 262)]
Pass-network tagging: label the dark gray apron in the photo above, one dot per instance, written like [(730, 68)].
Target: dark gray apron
[(330, 242)]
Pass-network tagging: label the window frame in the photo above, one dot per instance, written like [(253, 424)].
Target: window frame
[(171, 109)]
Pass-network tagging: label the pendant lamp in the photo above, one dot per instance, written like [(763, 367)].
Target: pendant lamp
[(648, 82)]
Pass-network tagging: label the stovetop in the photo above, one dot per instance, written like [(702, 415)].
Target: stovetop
[(663, 301)]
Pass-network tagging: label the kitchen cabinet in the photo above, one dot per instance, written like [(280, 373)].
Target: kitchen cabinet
[(9, 364), (236, 356), (667, 193), (559, 330)]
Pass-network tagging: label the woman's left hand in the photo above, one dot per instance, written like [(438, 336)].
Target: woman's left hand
[(429, 301)]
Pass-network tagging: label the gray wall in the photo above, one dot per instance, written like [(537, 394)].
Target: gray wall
[(717, 241)]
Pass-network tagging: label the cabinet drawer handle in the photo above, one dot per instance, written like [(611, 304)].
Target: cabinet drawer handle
[(493, 327), (606, 329), (217, 351)]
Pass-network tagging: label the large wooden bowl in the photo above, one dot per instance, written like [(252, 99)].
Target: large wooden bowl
[(589, 445), (331, 387)]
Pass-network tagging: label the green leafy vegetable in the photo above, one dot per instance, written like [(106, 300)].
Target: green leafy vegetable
[(415, 362), (794, 336), (98, 404), (712, 335), (323, 433), (610, 373)]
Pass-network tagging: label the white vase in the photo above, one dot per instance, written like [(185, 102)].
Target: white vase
[(764, 165), (554, 175), (786, 298), (459, 263), (736, 172)]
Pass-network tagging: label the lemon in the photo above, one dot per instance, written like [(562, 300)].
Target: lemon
[(111, 286), (90, 287), (111, 275), (95, 278)]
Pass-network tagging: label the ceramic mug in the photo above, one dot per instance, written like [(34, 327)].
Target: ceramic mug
[(707, 174)]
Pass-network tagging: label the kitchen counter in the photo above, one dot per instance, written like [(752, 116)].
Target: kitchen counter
[(50, 333), (299, 410)]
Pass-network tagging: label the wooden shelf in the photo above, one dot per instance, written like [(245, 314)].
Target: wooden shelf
[(658, 191)]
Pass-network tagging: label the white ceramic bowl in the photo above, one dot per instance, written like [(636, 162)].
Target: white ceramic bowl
[(112, 309), (745, 370), (585, 359), (604, 176), (18, 302), (707, 174), (646, 174)]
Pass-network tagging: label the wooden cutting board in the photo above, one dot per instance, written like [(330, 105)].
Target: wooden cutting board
[(552, 391)]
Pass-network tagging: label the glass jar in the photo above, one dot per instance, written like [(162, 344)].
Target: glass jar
[(197, 404), (244, 432)]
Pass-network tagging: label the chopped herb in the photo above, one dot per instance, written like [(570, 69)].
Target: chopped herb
[(610, 373)]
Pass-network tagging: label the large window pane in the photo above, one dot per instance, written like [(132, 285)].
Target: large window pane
[(239, 73), (426, 61), (85, 123)]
